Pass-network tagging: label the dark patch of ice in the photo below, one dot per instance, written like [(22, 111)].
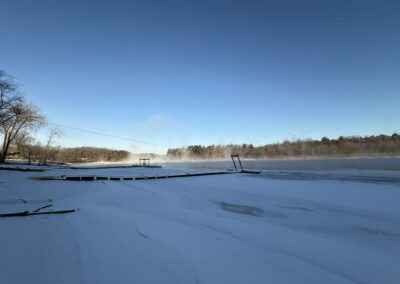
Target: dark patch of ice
[(241, 209)]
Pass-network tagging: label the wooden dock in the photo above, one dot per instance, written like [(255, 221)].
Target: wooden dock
[(116, 167), (130, 178)]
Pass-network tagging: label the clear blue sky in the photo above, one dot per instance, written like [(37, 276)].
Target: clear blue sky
[(204, 72)]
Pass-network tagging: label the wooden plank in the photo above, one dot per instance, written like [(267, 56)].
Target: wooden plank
[(27, 213)]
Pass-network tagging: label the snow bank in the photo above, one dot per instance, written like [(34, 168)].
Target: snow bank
[(212, 229)]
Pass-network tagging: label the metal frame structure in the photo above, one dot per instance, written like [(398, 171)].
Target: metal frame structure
[(234, 163), (144, 162)]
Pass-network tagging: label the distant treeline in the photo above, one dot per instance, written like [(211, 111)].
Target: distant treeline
[(341, 147), (91, 154), (39, 154)]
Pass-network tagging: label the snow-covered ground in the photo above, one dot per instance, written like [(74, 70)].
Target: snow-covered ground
[(277, 227)]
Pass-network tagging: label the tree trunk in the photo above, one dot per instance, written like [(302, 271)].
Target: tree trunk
[(3, 148), (4, 152)]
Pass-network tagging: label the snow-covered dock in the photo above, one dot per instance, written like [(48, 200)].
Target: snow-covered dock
[(142, 177)]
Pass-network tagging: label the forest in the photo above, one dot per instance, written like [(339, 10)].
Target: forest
[(40, 155), (379, 145)]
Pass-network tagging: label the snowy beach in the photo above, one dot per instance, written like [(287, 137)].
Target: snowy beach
[(276, 227)]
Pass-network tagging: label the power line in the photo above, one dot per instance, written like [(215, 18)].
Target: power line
[(107, 135)]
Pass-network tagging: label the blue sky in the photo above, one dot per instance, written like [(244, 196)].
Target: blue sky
[(206, 72)]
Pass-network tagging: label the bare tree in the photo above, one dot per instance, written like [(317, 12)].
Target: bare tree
[(53, 133), (24, 144), (9, 97), (23, 116)]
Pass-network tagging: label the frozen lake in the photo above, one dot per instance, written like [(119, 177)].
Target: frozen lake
[(372, 170)]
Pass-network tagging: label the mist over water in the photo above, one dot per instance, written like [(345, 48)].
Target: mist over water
[(374, 163)]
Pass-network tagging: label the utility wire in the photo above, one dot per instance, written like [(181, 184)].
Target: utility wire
[(107, 135)]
